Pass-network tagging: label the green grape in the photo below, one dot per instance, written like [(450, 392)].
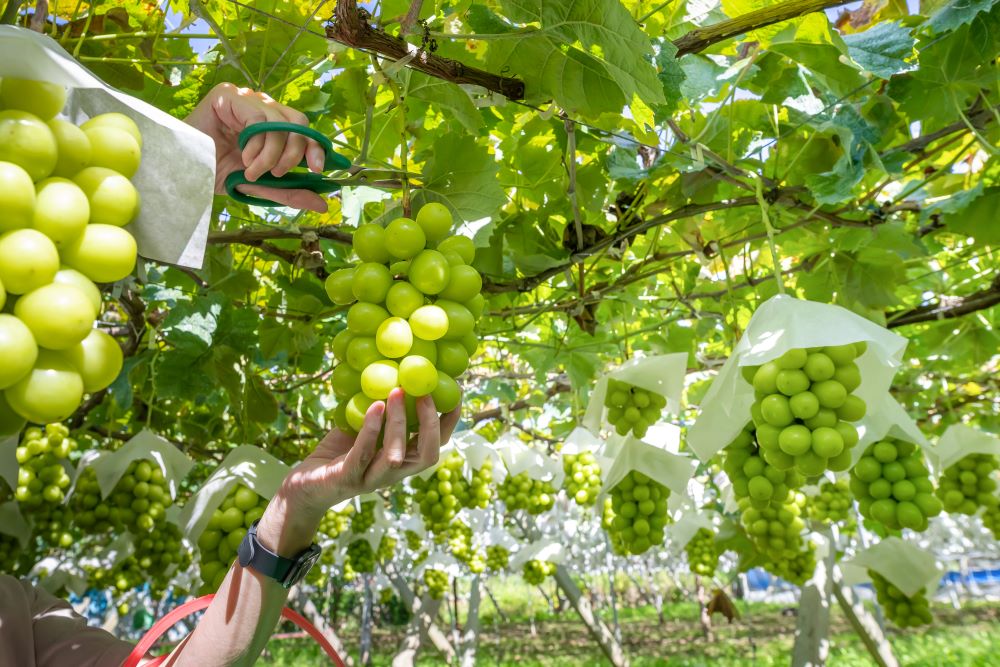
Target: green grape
[(386, 549), (364, 518), (417, 376), (521, 492), (583, 478), (892, 486), (639, 505), (436, 581), (804, 409), (403, 299), (441, 494), (461, 246), (138, 502), (968, 485), (447, 395), (42, 483), (159, 556), (702, 553), (339, 287), (905, 612), (394, 338), (497, 558), (334, 523), (536, 571), (761, 478), (429, 322), (459, 537), (361, 556), (797, 568), (228, 525), (465, 284), (452, 357), (404, 238), (429, 272), (369, 244), (832, 504), (436, 221), (380, 378), (630, 408), (480, 486), (775, 530)]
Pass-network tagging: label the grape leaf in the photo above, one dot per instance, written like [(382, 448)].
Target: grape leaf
[(882, 49), (957, 13)]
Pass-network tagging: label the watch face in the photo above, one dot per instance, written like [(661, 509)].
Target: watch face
[(302, 567)]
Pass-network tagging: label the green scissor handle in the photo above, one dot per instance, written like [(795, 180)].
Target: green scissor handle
[(293, 180)]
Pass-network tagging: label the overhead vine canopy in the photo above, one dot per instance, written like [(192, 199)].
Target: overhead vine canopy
[(636, 176)]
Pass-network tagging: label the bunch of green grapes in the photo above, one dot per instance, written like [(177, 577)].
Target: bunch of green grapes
[(413, 541), (436, 581), (752, 474), (905, 612), (159, 556), (460, 545), (991, 520), (225, 531), (334, 523), (639, 505), (702, 553), (536, 571), (480, 491), (497, 558), (138, 501), (364, 518), (631, 408), (65, 196), (414, 302), (386, 549), (521, 492), (440, 495), (804, 407), (14, 560), (776, 530), (583, 478), (832, 504), (796, 569), (361, 556), (968, 485), (42, 482), (893, 486)]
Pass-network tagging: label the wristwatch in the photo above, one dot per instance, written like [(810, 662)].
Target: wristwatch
[(286, 571)]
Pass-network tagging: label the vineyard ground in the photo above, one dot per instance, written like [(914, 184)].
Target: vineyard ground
[(762, 637)]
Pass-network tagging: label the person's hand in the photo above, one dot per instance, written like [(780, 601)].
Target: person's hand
[(342, 467), (223, 114)]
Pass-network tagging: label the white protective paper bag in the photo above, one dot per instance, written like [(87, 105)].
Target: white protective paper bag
[(439, 561), (546, 550), (12, 523), (519, 457), (247, 465), (477, 450), (176, 179), (668, 469), (905, 565), (689, 523), (662, 374), (109, 467), (784, 323), (959, 441), (887, 418)]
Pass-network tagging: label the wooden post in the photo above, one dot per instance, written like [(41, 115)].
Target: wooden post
[(312, 612), (428, 612), (864, 624), (424, 611), (470, 637), (598, 630), (812, 631), (367, 609)]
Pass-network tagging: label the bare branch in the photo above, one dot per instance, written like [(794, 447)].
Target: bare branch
[(946, 308), (351, 27)]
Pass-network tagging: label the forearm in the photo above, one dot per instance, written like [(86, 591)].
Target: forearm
[(246, 608)]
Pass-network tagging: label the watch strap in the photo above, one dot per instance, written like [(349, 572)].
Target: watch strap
[(286, 571)]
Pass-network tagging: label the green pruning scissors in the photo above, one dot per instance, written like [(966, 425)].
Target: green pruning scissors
[(307, 180)]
